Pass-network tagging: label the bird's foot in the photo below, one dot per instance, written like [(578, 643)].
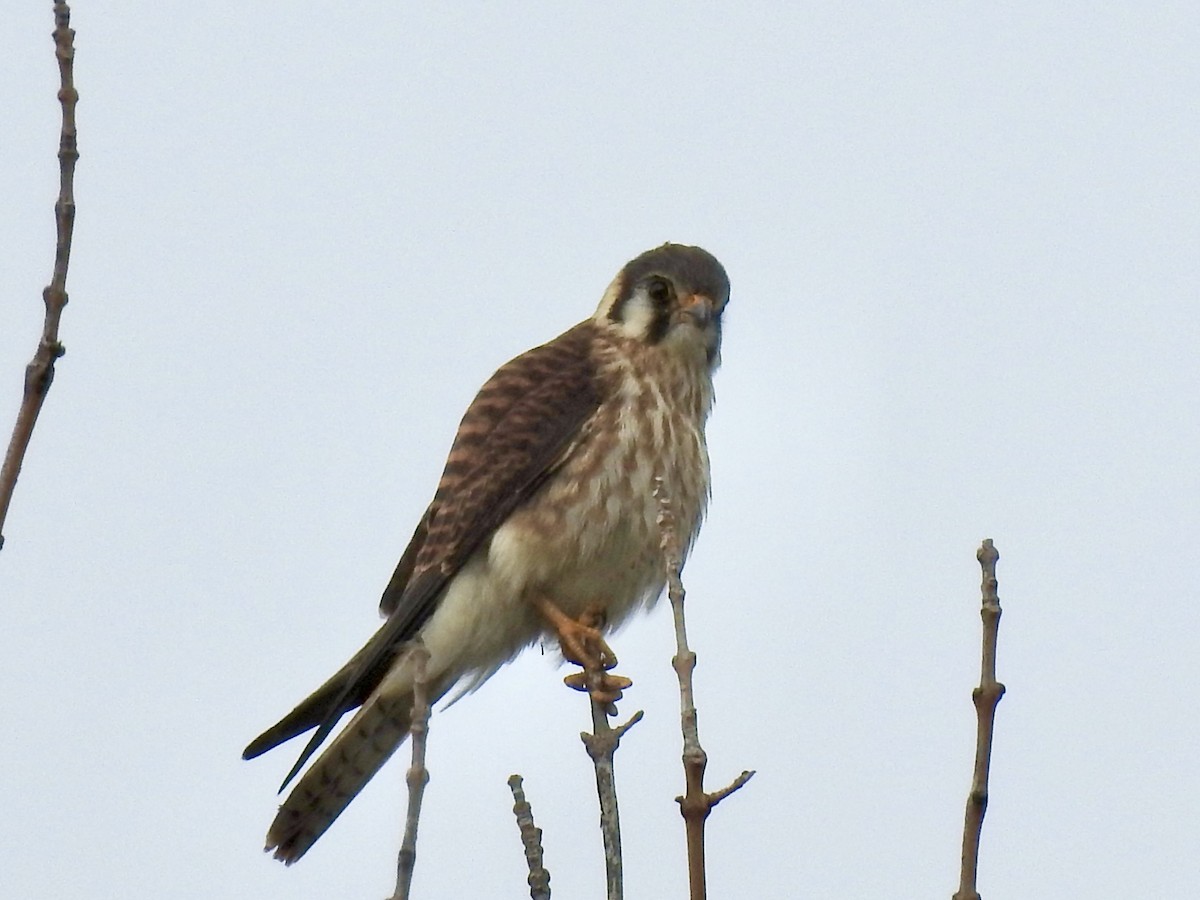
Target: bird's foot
[(579, 639), (582, 643)]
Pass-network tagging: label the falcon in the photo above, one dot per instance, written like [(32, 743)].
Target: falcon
[(544, 524)]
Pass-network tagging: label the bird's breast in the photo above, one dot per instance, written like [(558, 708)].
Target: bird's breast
[(591, 537)]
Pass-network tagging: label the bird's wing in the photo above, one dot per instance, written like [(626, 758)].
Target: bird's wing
[(524, 422), (408, 562)]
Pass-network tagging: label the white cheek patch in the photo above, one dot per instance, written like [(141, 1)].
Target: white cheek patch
[(637, 316)]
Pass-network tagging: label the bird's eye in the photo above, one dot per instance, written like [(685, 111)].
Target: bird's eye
[(659, 291)]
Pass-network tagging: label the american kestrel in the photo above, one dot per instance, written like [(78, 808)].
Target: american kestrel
[(544, 523)]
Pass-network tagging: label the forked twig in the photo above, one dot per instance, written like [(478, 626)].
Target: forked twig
[(695, 804), (40, 371), (985, 697), (417, 776), (601, 746), (531, 839)]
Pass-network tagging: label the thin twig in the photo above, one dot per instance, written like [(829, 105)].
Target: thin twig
[(985, 697), (40, 371), (695, 804), (531, 839), (601, 746), (418, 775)]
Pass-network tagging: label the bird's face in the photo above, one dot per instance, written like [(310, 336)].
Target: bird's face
[(670, 297)]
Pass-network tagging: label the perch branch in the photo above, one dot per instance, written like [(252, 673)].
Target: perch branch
[(581, 642), (695, 804), (531, 838), (985, 697), (40, 371), (601, 746), (417, 776)]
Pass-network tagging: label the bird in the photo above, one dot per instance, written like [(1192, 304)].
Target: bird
[(544, 526)]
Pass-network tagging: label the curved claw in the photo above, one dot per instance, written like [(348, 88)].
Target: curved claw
[(606, 688)]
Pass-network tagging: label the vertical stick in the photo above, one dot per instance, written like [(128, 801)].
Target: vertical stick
[(695, 804), (531, 839), (418, 775), (40, 371), (601, 746), (985, 697)]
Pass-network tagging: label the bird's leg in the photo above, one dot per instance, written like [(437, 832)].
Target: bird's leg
[(582, 644), (579, 639)]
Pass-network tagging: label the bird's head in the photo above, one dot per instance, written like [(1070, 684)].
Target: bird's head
[(672, 296)]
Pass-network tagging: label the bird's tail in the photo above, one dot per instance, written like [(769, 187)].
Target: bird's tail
[(347, 764)]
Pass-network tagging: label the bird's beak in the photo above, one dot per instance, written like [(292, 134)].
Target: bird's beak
[(699, 307)]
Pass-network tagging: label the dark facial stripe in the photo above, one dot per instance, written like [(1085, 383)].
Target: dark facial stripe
[(659, 324)]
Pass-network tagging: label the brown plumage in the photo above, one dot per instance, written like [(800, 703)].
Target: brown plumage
[(547, 494)]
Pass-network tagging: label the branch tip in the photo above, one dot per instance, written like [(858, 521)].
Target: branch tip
[(736, 785), (633, 720), (531, 840)]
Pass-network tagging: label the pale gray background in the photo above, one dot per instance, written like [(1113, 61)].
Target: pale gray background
[(963, 244)]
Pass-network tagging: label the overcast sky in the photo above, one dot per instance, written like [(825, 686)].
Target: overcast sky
[(964, 243)]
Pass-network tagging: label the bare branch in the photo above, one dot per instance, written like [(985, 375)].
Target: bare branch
[(601, 746), (985, 697), (582, 643), (695, 804), (531, 838), (40, 371), (418, 775)]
